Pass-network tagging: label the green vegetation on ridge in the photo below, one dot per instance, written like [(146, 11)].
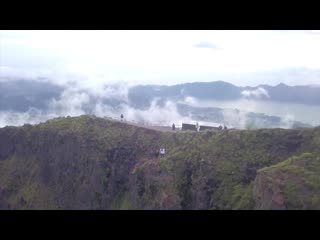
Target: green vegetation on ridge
[(88, 162)]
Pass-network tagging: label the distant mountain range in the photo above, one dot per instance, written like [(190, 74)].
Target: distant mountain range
[(220, 90), (21, 95)]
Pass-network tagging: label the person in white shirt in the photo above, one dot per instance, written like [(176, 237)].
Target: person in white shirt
[(162, 152)]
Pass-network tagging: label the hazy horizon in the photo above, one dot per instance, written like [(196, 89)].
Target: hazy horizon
[(96, 65), (160, 57)]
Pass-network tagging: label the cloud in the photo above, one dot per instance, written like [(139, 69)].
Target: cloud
[(234, 118), (76, 101), (205, 45), (32, 116), (313, 31), (257, 93), (71, 103), (158, 115), (117, 91), (287, 121), (156, 57), (314, 85), (13, 73), (245, 120), (190, 101), (8, 73)]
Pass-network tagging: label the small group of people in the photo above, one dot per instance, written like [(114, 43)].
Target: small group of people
[(161, 152), (224, 127)]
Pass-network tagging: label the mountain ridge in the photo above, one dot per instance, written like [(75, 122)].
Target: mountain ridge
[(140, 95), (24, 101), (88, 162)]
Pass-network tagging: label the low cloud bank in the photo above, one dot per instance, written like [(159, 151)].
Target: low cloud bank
[(76, 101), (112, 100), (257, 93)]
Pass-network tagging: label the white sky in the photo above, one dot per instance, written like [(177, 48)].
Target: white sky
[(163, 57)]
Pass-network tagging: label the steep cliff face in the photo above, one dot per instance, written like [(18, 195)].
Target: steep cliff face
[(74, 163), (91, 163), (291, 184)]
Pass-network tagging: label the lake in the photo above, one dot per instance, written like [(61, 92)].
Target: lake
[(291, 111)]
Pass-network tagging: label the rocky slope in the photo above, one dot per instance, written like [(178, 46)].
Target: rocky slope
[(92, 163), (291, 184)]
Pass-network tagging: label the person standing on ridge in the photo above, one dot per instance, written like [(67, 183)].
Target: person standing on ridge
[(121, 117), (173, 127), (162, 152), (197, 126)]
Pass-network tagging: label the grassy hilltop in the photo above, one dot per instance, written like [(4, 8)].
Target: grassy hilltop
[(92, 163)]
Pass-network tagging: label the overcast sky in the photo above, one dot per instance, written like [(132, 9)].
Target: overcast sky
[(163, 57)]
